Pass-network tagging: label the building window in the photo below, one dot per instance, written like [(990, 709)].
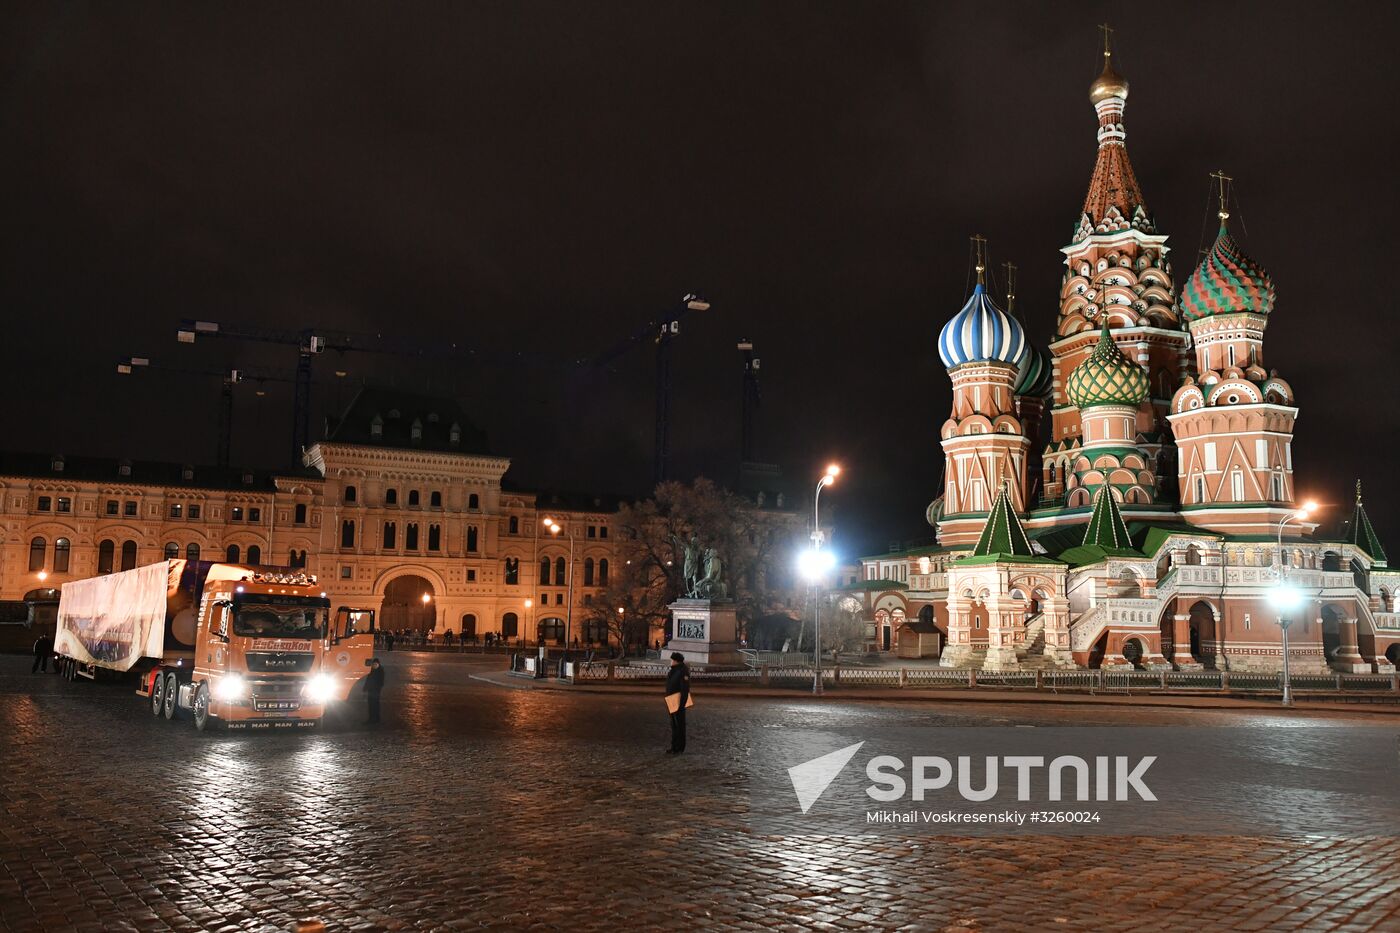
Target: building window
[(410, 536), (254, 515), (177, 510), (235, 514), (231, 554), (391, 497), (588, 599), (300, 513), (413, 497), (544, 571), (415, 431), (514, 525), (129, 508), (45, 504), (473, 501), (194, 512), (37, 549), (128, 555), (65, 504), (391, 535), (113, 507), (603, 570), (471, 576), (376, 427), (254, 554), (588, 571), (1200, 490), (435, 500), (435, 537), (296, 558), (471, 539), (172, 550), (512, 570), (106, 556), (592, 531), (347, 533), (603, 531), (62, 549), (551, 630), (560, 574), (349, 493), (345, 572), (192, 551), (1237, 486), (510, 625)]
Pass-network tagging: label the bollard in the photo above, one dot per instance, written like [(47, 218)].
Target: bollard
[(763, 674), (1224, 680), (1039, 680), (971, 677), (1163, 678), (611, 665), (836, 675), (903, 677), (1339, 683)]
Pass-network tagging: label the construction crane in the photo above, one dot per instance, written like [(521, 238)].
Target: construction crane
[(752, 398), (663, 330), (228, 378)]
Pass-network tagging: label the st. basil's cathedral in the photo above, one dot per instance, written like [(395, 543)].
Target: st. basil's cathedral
[(1125, 497)]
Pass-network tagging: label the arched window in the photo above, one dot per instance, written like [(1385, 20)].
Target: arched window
[(510, 625), (192, 551), (603, 572), (550, 630), (435, 537), (413, 497), (349, 493), (347, 533), (391, 496), (468, 625), (254, 554), (1237, 486), (128, 555), (588, 571), (514, 525), (1230, 354), (560, 574), (172, 550), (544, 571), (471, 538), (410, 536), (300, 513), (435, 500), (37, 550), (512, 570), (231, 554), (296, 558), (62, 549), (391, 535), (106, 556), (473, 501)]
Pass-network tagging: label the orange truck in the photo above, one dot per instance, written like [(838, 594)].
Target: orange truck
[(233, 645)]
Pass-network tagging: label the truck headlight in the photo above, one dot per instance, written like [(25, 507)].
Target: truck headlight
[(230, 688), (320, 689)]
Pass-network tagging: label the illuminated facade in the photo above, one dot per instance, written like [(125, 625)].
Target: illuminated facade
[(1167, 474)]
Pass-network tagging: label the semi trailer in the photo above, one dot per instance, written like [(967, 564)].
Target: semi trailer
[(233, 645)]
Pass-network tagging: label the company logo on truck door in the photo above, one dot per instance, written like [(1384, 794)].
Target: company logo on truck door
[(282, 644)]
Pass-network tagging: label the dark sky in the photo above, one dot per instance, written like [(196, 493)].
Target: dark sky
[(544, 178)]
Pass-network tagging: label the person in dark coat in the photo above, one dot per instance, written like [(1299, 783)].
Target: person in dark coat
[(678, 682), (43, 650), (374, 685)]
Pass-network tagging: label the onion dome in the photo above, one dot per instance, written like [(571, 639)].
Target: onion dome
[(1033, 379), (1227, 280), (981, 331), (1107, 377), (1109, 84)]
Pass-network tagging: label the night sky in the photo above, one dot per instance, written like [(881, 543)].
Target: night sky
[(535, 181)]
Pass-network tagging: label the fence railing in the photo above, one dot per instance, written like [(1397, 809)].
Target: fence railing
[(953, 678)]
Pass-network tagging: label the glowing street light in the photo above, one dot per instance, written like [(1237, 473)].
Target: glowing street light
[(814, 564), (1284, 596), (555, 528), (815, 569), (43, 575)]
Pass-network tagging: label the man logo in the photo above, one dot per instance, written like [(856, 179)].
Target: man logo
[(811, 778)]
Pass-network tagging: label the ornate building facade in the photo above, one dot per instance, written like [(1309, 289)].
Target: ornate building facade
[(1164, 514)]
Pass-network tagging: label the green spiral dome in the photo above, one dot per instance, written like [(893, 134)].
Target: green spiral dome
[(1107, 377)]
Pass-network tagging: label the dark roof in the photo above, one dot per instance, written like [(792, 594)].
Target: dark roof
[(1361, 534), (142, 472), (920, 626), (579, 501), (396, 413)]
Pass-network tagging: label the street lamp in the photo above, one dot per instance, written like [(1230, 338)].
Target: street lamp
[(43, 575), (815, 569), (529, 617), (1285, 597), (555, 528)]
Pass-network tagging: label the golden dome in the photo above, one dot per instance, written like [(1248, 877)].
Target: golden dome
[(1109, 84)]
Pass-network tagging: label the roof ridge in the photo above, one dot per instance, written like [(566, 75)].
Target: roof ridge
[(1003, 533), (1106, 527)]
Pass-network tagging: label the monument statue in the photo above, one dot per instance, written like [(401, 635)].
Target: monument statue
[(711, 585), (702, 569), (690, 554)]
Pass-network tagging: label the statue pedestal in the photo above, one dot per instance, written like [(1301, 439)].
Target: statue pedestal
[(705, 631)]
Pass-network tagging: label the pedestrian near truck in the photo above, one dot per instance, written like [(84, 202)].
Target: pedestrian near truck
[(43, 650), (677, 699), (374, 685)]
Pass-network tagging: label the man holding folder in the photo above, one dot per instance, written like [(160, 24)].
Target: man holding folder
[(677, 699)]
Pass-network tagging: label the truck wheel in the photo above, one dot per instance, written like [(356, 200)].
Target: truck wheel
[(202, 719), (172, 695), (157, 693)]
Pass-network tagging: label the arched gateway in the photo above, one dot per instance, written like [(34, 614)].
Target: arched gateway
[(405, 606)]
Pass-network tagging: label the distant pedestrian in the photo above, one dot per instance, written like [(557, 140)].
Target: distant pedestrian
[(374, 685), (43, 650), (677, 699), (389, 641)]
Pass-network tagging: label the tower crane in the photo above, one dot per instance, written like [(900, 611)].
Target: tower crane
[(663, 330), (228, 378), (752, 399)]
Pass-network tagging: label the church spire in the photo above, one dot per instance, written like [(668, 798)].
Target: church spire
[(1003, 535), (1361, 534), (1114, 196), (1106, 528)]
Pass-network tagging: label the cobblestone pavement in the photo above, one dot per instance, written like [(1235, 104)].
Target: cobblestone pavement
[(475, 805)]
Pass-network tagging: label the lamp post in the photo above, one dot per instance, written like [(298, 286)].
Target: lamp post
[(1285, 597), (555, 528), (814, 566)]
